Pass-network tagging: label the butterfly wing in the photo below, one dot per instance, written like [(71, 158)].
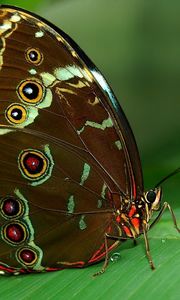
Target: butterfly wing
[(66, 148)]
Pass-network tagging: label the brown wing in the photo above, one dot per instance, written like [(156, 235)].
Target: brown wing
[(82, 100), (65, 147), (63, 216)]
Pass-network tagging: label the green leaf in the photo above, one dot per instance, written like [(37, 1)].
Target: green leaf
[(128, 278)]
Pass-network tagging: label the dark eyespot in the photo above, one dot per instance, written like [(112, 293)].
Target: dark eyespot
[(33, 164), (31, 91), (151, 196), (34, 56), (11, 207), (14, 233), (16, 114)]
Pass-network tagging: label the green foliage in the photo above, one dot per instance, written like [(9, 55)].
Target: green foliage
[(128, 278), (136, 44), (30, 5)]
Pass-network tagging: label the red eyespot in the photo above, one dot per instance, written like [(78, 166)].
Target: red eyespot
[(14, 233), (11, 207), (27, 255), (33, 164)]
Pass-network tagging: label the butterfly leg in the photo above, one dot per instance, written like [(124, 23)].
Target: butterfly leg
[(148, 254), (166, 205), (106, 261)]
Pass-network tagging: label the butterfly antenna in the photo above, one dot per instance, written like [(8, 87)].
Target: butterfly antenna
[(167, 177)]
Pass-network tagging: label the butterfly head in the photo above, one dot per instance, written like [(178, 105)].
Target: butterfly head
[(153, 198)]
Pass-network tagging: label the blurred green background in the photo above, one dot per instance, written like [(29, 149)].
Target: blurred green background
[(136, 45)]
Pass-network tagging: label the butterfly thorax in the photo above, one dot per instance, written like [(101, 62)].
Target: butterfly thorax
[(133, 215)]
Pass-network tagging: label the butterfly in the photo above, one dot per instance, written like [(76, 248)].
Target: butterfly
[(71, 183)]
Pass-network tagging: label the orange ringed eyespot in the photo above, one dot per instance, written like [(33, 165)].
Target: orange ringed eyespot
[(31, 91), (16, 114), (34, 56), (33, 164)]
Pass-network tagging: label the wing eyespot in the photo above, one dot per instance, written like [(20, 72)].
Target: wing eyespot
[(33, 164), (27, 256), (34, 56), (16, 114), (11, 207), (15, 233), (31, 91)]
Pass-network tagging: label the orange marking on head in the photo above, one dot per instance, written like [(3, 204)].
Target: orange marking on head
[(132, 211)]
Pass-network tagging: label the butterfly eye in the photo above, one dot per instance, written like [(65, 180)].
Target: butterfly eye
[(151, 196), (16, 114), (11, 207), (27, 256), (14, 233), (34, 56), (30, 91), (33, 164)]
